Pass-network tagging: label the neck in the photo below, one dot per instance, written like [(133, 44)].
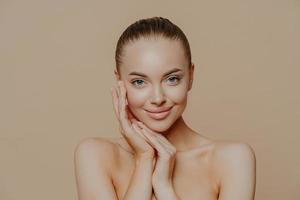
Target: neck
[(181, 136)]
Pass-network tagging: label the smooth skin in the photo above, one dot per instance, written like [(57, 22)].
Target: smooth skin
[(163, 162), (164, 159)]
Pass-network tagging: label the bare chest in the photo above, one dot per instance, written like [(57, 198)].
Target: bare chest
[(193, 177)]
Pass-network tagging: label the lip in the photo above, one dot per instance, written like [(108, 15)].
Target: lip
[(159, 113), (159, 110)]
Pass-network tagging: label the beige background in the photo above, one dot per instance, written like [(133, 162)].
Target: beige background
[(57, 61)]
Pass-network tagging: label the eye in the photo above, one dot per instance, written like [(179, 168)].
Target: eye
[(137, 82), (174, 79)]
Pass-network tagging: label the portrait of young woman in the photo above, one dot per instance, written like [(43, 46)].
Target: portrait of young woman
[(157, 156)]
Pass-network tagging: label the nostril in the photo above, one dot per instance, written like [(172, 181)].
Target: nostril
[(157, 96)]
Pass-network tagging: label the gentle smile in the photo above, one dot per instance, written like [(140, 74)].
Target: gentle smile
[(160, 113)]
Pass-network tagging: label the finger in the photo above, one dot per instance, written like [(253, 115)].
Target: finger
[(161, 139), (169, 148), (129, 114), (142, 125), (122, 100), (118, 94), (118, 88), (139, 131), (123, 115), (166, 145), (166, 142), (155, 142), (134, 120), (115, 101)]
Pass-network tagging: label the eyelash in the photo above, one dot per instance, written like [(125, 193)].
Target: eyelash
[(176, 77)]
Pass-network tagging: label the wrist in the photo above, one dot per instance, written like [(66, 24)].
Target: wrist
[(166, 193)]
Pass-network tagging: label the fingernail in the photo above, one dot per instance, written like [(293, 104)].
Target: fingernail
[(140, 123)]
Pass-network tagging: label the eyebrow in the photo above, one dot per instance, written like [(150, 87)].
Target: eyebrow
[(165, 74)]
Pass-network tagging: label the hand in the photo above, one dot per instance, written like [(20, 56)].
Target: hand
[(164, 164), (128, 124)]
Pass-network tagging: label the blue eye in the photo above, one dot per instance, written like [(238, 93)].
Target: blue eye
[(174, 79), (137, 82)]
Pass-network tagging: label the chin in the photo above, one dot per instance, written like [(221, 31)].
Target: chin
[(159, 127)]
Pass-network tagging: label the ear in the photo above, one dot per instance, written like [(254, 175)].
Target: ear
[(191, 75), (117, 75)]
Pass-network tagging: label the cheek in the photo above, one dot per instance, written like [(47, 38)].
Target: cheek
[(136, 98), (178, 95)]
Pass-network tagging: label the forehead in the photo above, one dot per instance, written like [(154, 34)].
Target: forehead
[(153, 55)]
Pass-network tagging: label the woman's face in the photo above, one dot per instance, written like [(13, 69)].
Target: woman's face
[(156, 77)]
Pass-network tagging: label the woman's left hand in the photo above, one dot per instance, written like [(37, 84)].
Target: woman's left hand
[(162, 181)]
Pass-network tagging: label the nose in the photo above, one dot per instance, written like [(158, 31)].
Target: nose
[(158, 96)]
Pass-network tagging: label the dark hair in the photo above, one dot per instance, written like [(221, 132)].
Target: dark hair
[(155, 26)]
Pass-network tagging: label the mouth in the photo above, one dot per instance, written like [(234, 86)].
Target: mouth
[(160, 113)]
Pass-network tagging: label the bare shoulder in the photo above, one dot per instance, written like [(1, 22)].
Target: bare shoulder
[(228, 150), (96, 149), (231, 157), (94, 162), (95, 144)]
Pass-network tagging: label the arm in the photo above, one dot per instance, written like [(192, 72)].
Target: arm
[(92, 159), (238, 172), (140, 186)]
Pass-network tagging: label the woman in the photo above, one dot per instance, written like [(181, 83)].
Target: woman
[(159, 156)]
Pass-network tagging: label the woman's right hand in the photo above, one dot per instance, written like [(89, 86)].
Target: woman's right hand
[(127, 123)]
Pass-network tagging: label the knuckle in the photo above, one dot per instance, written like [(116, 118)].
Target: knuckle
[(166, 156), (174, 150)]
